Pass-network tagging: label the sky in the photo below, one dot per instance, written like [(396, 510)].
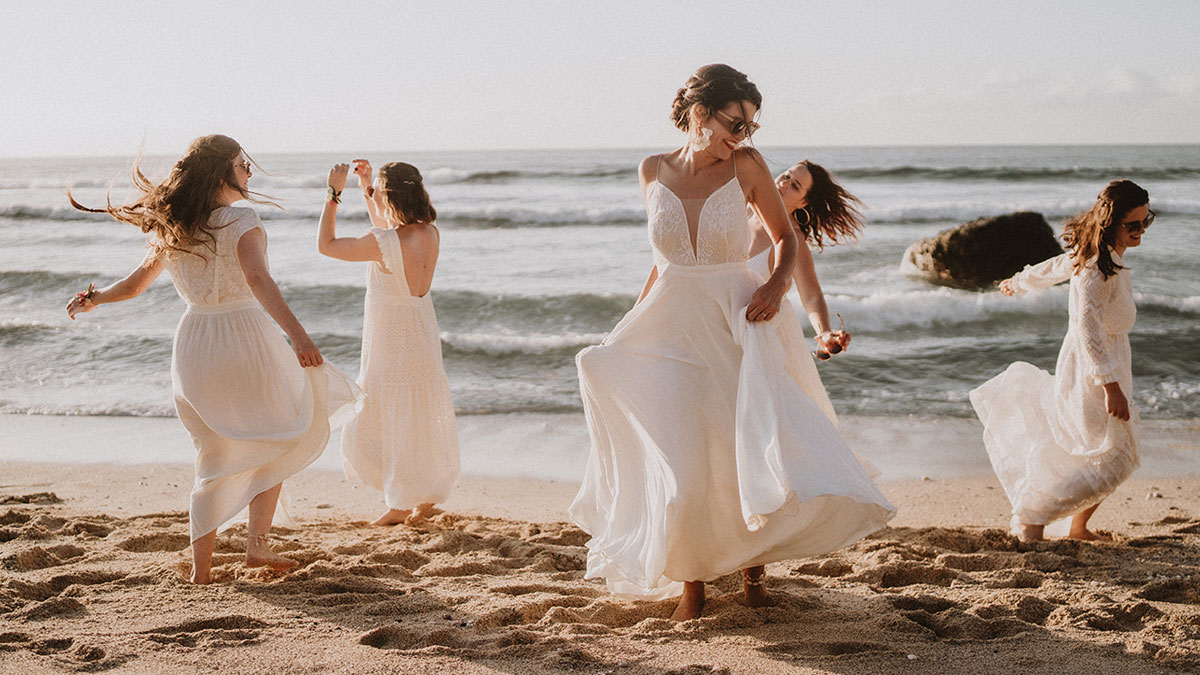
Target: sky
[(105, 77)]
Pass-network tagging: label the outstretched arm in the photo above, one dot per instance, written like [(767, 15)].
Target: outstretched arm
[(133, 285), (252, 255), (354, 249)]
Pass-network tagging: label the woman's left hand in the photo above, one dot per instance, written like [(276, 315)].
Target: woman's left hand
[(79, 303), (337, 176), (764, 304)]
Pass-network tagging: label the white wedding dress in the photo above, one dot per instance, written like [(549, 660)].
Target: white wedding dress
[(255, 415), (1054, 447), (404, 442), (713, 442)]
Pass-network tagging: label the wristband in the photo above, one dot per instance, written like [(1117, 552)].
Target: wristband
[(332, 195), (87, 295)]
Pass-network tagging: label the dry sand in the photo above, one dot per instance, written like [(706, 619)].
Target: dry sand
[(92, 557)]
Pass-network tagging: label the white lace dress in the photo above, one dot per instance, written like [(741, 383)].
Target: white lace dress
[(256, 417), (404, 442), (1054, 447), (713, 443)]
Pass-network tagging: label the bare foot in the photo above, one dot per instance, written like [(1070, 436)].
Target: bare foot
[(1028, 533), (1087, 535), (392, 517), (259, 554), (193, 575), (420, 514), (691, 604), (754, 586)]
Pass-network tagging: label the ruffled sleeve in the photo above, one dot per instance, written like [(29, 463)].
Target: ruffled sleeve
[(389, 249), (1042, 275), (1094, 296)]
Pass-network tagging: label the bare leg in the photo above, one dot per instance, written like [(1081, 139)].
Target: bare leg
[(422, 512), (691, 603), (1079, 528), (392, 517), (262, 512), (202, 550), (754, 586), (1028, 533)]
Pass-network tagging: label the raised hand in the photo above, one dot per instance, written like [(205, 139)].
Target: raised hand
[(362, 169), (337, 176)]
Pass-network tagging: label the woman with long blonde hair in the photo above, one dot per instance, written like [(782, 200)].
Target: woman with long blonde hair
[(1062, 443), (258, 410)]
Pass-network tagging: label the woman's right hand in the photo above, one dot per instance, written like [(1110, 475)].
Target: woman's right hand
[(362, 169), (337, 176), (306, 351), (79, 303), (1006, 287), (1115, 402)]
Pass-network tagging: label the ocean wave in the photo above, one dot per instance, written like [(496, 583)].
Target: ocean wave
[(503, 344), (1013, 173)]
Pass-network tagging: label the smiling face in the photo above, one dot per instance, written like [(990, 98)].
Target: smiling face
[(1131, 228), (794, 185), (730, 126)]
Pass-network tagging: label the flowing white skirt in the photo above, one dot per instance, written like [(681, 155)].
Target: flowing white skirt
[(1054, 447), (714, 445), (255, 416), (404, 442)]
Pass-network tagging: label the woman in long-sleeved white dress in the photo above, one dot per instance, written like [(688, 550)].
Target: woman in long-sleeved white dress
[(1061, 444)]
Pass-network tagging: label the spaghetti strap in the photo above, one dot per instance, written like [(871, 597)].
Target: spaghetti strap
[(657, 164)]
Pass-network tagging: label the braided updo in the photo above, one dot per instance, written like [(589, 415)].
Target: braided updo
[(713, 86)]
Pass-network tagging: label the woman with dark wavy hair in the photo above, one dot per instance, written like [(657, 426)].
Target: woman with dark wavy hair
[(714, 448), (258, 410), (1062, 443), (821, 212)]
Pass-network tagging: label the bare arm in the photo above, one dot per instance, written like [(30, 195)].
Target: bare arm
[(764, 199), (133, 285), (354, 249), (252, 255)]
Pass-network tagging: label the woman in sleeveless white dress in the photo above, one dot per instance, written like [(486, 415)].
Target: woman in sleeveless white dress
[(405, 442), (258, 410), (709, 455), (1062, 443)]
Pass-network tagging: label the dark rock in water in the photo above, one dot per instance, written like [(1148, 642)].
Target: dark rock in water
[(978, 254)]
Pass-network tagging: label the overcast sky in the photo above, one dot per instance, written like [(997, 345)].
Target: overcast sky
[(96, 78)]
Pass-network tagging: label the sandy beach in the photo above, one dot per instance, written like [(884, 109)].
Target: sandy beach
[(93, 557)]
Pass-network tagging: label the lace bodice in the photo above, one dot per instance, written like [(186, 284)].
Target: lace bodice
[(721, 234), (1099, 309), (215, 278)]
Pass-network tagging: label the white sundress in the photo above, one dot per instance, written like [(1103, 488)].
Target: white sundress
[(255, 415), (404, 442), (714, 446), (1054, 447)]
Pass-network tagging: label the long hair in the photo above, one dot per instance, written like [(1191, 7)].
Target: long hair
[(713, 87), (175, 212), (404, 190), (1093, 233), (831, 212)]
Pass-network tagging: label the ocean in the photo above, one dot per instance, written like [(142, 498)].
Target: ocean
[(544, 251)]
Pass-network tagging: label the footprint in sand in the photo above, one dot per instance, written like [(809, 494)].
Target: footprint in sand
[(225, 631), (33, 498), (155, 543), (37, 557)]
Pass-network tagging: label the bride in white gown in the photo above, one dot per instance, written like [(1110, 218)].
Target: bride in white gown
[(711, 448), (1062, 443)]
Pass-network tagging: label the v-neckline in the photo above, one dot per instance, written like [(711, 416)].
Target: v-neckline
[(699, 216)]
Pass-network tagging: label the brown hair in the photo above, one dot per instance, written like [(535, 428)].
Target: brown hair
[(176, 210), (713, 87), (404, 189), (831, 211), (1092, 233)]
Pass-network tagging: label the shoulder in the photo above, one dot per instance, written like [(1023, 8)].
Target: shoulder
[(240, 219), (419, 234), (750, 162), (648, 168)]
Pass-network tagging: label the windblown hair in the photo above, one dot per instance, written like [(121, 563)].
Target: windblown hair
[(175, 212), (1092, 233), (713, 87), (831, 212), (404, 189)]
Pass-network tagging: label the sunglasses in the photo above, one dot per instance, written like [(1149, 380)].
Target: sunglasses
[(245, 166), (1138, 226), (737, 126)]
